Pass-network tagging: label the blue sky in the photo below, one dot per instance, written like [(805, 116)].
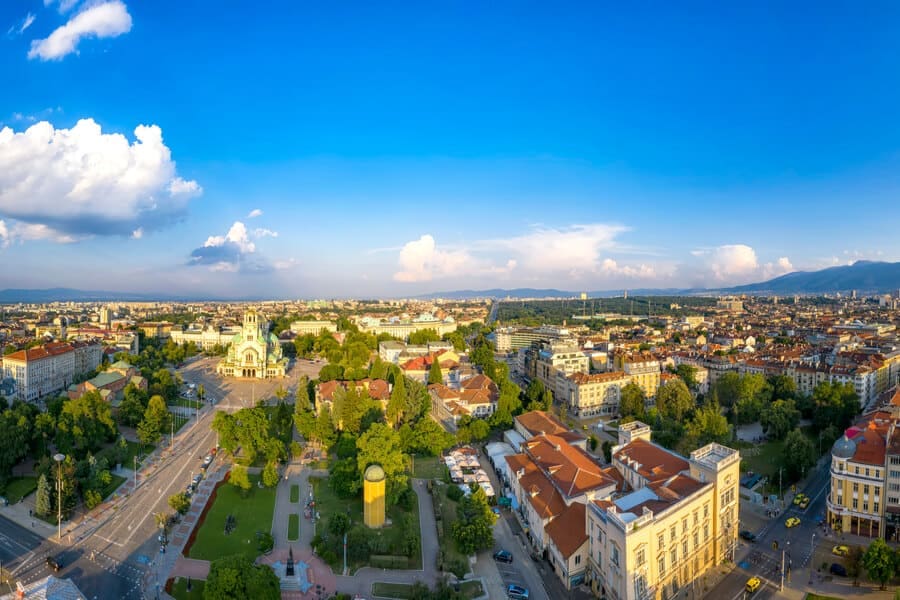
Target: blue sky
[(400, 148)]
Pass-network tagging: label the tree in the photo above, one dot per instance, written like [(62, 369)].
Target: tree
[(688, 374), (457, 339), (879, 562), (423, 336), (674, 400), (853, 562), (799, 454), (281, 393), (707, 425), (427, 437), (133, 405), (83, 424), (382, 445), (180, 502), (157, 420), (338, 524), (631, 401), (201, 392), (240, 479), (434, 373), (397, 401), (42, 497), (344, 478), (473, 529), (779, 418), (270, 476), (783, 387), (479, 429), (301, 402), (237, 577)]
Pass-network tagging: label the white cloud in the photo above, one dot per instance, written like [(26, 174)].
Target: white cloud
[(546, 250), (236, 235), (641, 271), (80, 181), (138, 233), (732, 260), (282, 265), (4, 234), (233, 252), (254, 213), (64, 5), (421, 260), (20, 27), (263, 232), (108, 19)]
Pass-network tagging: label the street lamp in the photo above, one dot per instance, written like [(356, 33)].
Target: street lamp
[(58, 457), (812, 545)]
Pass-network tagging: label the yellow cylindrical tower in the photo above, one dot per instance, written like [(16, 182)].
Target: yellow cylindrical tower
[(373, 496)]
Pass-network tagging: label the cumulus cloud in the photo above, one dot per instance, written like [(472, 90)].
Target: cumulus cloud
[(574, 252), (4, 234), (421, 260), (80, 182), (137, 233), (104, 20), (738, 263), (254, 213), (231, 252)]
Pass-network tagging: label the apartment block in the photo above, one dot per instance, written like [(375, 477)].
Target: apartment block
[(46, 369), (593, 395)]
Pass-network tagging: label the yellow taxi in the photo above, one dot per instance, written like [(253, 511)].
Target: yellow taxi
[(840, 550), (792, 522), (752, 584)]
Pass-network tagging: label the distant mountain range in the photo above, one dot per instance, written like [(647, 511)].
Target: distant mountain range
[(864, 276)]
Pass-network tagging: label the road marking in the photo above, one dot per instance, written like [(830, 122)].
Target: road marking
[(109, 541)]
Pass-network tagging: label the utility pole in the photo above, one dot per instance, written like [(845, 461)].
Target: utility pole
[(59, 458)]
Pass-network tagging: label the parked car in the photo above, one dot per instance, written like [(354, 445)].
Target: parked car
[(503, 556), (840, 550), (748, 535), (753, 584), (517, 592), (792, 522), (54, 563), (799, 497), (838, 569), (805, 502)]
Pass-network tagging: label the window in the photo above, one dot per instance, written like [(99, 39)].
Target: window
[(894, 487), (867, 471), (895, 460), (875, 508), (696, 518), (599, 557), (661, 540), (662, 565), (855, 487), (893, 500), (705, 531), (706, 510), (577, 559), (684, 526), (855, 504), (673, 556), (639, 557), (866, 490), (615, 556), (672, 534), (895, 474), (856, 470), (696, 540), (684, 548)]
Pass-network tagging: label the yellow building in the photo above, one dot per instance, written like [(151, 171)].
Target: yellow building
[(373, 496), (591, 395), (643, 369), (679, 520), (864, 485)]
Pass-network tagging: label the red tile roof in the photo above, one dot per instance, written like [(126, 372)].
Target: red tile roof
[(40, 352), (568, 530), (653, 462)]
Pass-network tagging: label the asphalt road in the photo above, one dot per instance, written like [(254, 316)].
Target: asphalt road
[(117, 556), (797, 543)]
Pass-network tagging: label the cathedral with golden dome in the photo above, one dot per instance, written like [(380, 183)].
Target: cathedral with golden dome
[(254, 353)]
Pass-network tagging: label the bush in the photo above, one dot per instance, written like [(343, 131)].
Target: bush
[(455, 493), (265, 542), (92, 499), (407, 499), (329, 556)]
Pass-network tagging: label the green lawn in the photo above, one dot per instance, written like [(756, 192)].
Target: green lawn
[(470, 589), (19, 487), (134, 449), (179, 589), (114, 484), (295, 493), (252, 514), (293, 527), (767, 458), (428, 467)]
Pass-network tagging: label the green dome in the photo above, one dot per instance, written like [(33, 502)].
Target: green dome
[(374, 473)]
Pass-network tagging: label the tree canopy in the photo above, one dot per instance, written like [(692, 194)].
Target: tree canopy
[(382, 445), (237, 577)]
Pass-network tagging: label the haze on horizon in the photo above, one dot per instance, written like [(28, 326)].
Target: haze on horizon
[(300, 152)]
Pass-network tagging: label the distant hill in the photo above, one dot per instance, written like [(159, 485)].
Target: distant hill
[(863, 275), (518, 293)]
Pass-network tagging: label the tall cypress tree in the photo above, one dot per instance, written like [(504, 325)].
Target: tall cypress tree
[(42, 497), (434, 374)]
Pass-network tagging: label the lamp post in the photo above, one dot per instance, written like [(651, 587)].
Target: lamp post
[(58, 457), (812, 545)]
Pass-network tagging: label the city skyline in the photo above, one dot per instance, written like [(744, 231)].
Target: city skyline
[(407, 150)]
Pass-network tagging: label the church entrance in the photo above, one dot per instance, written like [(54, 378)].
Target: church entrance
[(248, 373)]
